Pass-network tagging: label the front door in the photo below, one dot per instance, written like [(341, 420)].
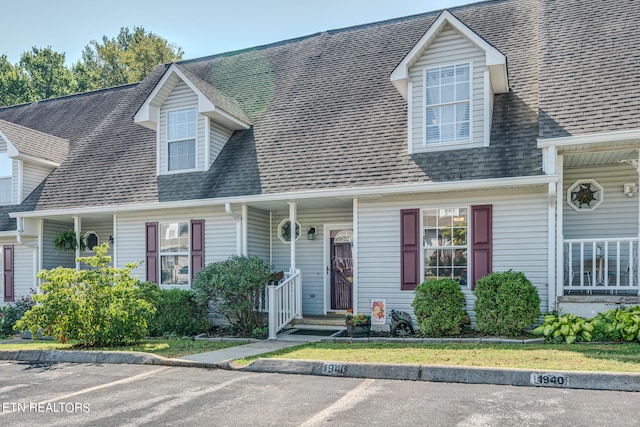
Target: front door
[(341, 258)]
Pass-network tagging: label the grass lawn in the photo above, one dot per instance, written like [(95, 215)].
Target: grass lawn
[(579, 357), (161, 347)]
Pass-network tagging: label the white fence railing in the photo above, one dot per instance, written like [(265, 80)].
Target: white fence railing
[(601, 265), (284, 302)]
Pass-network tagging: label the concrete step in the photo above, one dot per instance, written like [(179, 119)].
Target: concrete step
[(321, 322)]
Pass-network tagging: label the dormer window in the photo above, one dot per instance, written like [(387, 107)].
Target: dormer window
[(6, 178), (181, 139), (448, 103)]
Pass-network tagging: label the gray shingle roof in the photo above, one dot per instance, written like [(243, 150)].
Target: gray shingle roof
[(34, 143), (325, 114)]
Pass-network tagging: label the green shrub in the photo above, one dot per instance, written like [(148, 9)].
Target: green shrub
[(439, 307), (99, 306), (177, 314), (568, 328), (12, 312), (506, 303), (622, 324), (234, 286)]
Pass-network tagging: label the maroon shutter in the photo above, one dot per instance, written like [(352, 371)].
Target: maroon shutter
[(151, 259), (197, 246), (409, 248), (8, 273), (481, 222)]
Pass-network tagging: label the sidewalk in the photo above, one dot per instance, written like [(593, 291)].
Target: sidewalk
[(223, 359)]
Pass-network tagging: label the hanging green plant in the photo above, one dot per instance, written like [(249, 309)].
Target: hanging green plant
[(65, 240)]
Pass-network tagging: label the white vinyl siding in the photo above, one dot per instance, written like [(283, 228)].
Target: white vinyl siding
[(182, 97), (258, 234), (309, 253), (617, 216), (449, 48), (32, 176), (218, 137), (219, 228), (514, 246)]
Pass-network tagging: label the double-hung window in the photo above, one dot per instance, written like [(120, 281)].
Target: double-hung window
[(445, 244), (174, 253), (181, 139), (6, 179), (448, 104)]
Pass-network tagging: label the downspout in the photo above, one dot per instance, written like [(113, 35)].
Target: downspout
[(355, 256), (238, 218), (559, 232), (76, 227), (245, 230)]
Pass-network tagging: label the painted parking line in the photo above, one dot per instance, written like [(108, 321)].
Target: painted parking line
[(348, 401)]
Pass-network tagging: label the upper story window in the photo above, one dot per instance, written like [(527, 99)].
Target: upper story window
[(181, 139), (6, 180), (448, 103)]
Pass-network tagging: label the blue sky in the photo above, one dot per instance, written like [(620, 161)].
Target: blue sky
[(200, 27)]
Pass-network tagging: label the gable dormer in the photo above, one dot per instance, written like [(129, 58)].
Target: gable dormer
[(449, 79), (27, 157), (192, 119)]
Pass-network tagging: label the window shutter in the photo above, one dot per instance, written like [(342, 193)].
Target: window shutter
[(197, 246), (151, 259), (481, 246), (7, 252), (409, 248)]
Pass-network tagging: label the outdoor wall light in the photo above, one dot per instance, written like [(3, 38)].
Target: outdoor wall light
[(311, 234)]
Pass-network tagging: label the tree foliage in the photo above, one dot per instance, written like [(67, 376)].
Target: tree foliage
[(127, 58), (101, 305)]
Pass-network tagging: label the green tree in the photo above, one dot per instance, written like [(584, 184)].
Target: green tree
[(127, 58), (15, 86), (101, 305), (47, 74)]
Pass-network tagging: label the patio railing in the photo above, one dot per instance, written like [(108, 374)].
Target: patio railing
[(285, 302), (601, 266)]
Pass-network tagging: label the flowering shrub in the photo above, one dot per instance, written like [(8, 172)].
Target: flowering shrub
[(358, 319), (11, 313)]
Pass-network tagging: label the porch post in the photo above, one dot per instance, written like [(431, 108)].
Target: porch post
[(559, 279), (76, 228), (292, 227), (552, 247)]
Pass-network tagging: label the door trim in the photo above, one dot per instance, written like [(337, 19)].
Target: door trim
[(326, 268)]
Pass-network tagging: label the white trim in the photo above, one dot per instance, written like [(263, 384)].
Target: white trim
[(428, 187), (355, 253), (495, 60), (559, 279), (207, 143), (566, 141), (245, 230), (410, 118), (114, 244), (551, 247), (487, 109)]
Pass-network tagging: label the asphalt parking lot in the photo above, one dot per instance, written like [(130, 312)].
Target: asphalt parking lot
[(68, 394)]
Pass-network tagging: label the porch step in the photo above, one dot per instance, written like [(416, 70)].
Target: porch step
[(320, 322)]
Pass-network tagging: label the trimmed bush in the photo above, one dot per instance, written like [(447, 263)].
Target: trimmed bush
[(235, 287), (12, 312), (100, 306), (177, 314), (506, 303), (439, 307)]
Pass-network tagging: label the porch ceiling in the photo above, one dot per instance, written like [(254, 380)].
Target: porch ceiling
[(576, 159)]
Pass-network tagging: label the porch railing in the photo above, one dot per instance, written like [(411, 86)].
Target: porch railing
[(284, 302), (601, 266)]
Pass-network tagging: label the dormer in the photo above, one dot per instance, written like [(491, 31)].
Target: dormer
[(27, 157), (449, 79), (193, 121)]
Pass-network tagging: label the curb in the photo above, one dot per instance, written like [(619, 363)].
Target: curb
[(453, 374)]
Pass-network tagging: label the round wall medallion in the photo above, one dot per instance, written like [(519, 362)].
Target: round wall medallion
[(585, 195)]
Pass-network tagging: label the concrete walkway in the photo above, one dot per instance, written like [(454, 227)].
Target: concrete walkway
[(242, 351)]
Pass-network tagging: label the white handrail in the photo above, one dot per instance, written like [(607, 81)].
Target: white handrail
[(285, 302)]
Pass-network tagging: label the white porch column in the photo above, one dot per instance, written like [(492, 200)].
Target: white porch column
[(559, 280), (245, 230), (114, 247), (77, 223), (355, 256), (292, 222)]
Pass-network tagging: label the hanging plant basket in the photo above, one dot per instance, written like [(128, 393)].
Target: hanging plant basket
[(66, 241)]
